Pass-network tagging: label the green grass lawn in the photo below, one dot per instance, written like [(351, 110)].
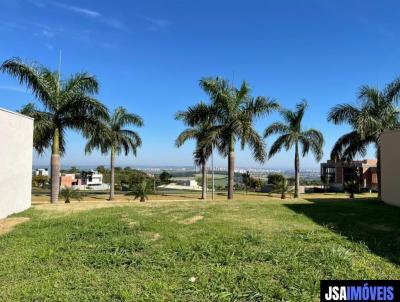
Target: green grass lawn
[(267, 250)]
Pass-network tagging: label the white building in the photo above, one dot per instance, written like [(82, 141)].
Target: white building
[(183, 184), (95, 179), (16, 141), (40, 172)]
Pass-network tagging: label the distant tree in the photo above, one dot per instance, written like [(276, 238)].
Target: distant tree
[(70, 193), (66, 105), (246, 179), (256, 183), (136, 177), (112, 138), (165, 177), (141, 190), (292, 134), (275, 178), (101, 169), (127, 168), (74, 170), (40, 181)]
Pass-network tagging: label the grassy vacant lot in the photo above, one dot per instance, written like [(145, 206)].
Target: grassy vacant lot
[(258, 249)]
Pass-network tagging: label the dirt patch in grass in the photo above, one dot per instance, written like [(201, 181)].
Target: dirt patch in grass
[(7, 224), (155, 236), (193, 219), (131, 223)]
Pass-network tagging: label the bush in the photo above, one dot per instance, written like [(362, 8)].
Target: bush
[(275, 178)]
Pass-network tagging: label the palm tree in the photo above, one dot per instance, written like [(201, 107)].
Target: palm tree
[(375, 112), (111, 137), (291, 133), (140, 191), (67, 104), (70, 193), (232, 112), (283, 187), (203, 149)]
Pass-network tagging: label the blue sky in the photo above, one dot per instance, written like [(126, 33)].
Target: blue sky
[(149, 56)]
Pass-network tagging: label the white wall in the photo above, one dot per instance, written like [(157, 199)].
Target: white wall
[(390, 167), (16, 137)]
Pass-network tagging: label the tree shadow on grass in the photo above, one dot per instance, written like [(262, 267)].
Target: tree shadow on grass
[(365, 220)]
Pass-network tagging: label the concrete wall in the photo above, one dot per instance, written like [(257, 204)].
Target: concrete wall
[(390, 167), (16, 137)]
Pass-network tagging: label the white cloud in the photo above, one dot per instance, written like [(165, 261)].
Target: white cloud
[(82, 11), (79, 10)]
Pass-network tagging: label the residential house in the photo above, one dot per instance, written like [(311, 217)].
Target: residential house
[(337, 173), (91, 180), (40, 172)]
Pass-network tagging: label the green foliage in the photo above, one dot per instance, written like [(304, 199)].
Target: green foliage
[(352, 185), (73, 170), (292, 134), (111, 134), (101, 169), (275, 178), (246, 179), (40, 181), (283, 187), (67, 104), (69, 193), (375, 112), (199, 132), (229, 119), (165, 177), (141, 190), (252, 183)]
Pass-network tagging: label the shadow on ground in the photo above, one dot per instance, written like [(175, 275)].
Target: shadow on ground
[(362, 220)]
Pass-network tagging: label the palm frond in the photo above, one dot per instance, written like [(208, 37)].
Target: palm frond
[(282, 141), (260, 106), (185, 135), (343, 113), (257, 145), (313, 140), (276, 128), (43, 127), (81, 83)]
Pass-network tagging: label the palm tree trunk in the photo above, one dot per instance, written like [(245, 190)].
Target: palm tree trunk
[(204, 181), (55, 167), (231, 168), (378, 170), (296, 172), (112, 182)]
